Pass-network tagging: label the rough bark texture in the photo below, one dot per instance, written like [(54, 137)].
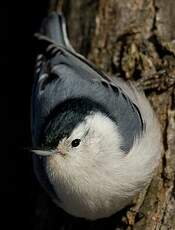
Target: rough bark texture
[(136, 40)]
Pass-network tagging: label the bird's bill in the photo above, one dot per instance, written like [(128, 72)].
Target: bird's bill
[(43, 152)]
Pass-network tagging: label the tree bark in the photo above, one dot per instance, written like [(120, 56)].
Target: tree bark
[(136, 40)]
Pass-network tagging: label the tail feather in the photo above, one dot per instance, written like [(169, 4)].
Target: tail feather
[(54, 27)]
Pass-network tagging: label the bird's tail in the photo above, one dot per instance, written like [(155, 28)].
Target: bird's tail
[(54, 28)]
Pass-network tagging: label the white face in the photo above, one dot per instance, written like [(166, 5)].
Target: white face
[(82, 160), (95, 138)]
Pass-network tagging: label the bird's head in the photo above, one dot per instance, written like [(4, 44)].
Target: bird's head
[(82, 165), (93, 140)]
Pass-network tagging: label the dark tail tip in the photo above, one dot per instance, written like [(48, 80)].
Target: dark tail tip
[(54, 28)]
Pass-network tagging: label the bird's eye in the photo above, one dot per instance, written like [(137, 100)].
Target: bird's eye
[(75, 142)]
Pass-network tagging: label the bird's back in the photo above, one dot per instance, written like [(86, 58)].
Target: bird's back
[(62, 74)]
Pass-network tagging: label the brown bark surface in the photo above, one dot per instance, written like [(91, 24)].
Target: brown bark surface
[(136, 40)]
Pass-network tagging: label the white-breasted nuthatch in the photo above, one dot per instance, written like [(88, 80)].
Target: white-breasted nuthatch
[(96, 139)]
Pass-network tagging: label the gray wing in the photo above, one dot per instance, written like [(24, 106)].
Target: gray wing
[(63, 74)]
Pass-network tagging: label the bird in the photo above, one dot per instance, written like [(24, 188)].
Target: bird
[(96, 140)]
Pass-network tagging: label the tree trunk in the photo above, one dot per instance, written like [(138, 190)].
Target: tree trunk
[(136, 40)]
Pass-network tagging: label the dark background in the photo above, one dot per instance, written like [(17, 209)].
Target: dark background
[(19, 21)]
